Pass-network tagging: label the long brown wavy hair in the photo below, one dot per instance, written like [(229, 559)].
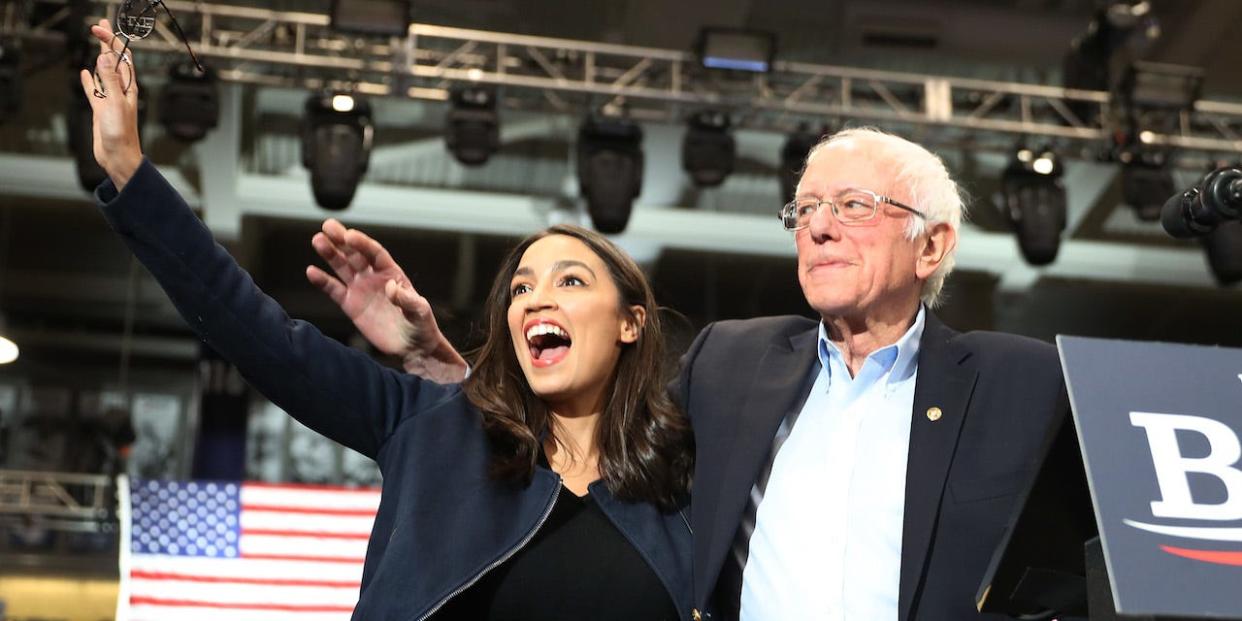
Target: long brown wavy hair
[(646, 450)]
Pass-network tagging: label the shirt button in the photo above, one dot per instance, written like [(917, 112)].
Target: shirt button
[(933, 414)]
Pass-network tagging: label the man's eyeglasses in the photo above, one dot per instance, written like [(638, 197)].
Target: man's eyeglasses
[(135, 19), (851, 207)]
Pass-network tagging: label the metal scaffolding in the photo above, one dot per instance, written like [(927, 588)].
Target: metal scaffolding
[(261, 46), (58, 500)]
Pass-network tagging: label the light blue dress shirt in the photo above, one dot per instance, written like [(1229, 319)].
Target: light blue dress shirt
[(827, 536)]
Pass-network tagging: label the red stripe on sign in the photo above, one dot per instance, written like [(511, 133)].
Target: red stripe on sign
[(302, 533), (313, 487), (189, 603), (160, 575), (1220, 557), (356, 560), (309, 511)]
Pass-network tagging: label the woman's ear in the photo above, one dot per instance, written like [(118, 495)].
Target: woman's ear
[(632, 324)]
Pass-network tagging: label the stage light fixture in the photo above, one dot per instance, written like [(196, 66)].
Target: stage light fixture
[(1223, 247), (11, 83), (336, 146), (610, 169), (385, 18), (708, 151), (189, 102), (736, 49), (798, 145), (79, 125), (1035, 203), (1146, 180), (472, 125)]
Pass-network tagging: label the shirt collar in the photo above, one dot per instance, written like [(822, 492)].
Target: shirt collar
[(901, 358)]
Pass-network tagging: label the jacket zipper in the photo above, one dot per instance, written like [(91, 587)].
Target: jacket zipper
[(506, 556)]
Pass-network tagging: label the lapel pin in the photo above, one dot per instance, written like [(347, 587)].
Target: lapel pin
[(934, 414)]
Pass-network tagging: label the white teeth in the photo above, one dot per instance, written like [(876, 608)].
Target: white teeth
[(545, 328)]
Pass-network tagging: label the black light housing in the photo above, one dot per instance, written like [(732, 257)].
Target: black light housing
[(610, 169), (336, 146), (10, 80), (1035, 203), (1223, 247), (797, 147), (472, 125), (385, 18), (1146, 180), (189, 104), (708, 151)]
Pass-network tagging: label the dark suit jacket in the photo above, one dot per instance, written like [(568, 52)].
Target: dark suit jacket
[(999, 396)]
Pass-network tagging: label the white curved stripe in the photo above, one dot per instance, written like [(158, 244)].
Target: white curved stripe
[(232, 593), (311, 498), (304, 546), (269, 520), (1190, 532), (247, 568), (143, 612)]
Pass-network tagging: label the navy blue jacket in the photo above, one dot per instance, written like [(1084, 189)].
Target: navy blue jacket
[(442, 521), (999, 396)]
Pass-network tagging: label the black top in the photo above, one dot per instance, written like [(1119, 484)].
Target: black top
[(578, 566)]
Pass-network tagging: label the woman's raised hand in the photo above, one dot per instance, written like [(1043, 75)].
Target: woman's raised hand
[(114, 106), (377, 296)]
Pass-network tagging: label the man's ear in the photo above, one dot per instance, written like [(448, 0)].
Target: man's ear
[(938, 243), (632, 324)]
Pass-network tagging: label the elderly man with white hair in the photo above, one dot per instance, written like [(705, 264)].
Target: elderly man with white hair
[(861, 466)]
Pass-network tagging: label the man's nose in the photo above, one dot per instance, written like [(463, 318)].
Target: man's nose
[(824, 224)]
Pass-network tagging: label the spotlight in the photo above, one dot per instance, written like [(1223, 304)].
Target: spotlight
[(385, 18), (8, 350), (472, 125), (189, 103), (610, 169), (708, 151), (10, 80), (736, 49), (1223, 247), (336, 146), (1035, 202), (80, 124), (1146, 180), (793, 158)]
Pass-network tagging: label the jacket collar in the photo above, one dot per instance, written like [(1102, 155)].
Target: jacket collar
[(946, 380)]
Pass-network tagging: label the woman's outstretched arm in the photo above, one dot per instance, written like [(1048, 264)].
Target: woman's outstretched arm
[(333, 389)]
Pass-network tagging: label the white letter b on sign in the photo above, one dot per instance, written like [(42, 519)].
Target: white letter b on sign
[(1224, 451)]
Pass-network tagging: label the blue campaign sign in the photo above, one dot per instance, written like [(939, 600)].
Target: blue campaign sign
[(1160, 426)]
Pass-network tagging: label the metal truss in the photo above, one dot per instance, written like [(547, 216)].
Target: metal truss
[(63, 501), (261, 46)]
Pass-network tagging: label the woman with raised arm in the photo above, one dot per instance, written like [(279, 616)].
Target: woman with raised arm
[(550, 484)]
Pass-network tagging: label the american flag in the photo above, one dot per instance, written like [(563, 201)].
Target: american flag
[(216, 551)]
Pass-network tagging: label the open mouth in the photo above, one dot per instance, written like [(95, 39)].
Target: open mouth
[(548, 343)]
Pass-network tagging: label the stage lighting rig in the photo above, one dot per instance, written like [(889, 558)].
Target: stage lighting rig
[(798, 145), (190, 102), (708, 151), (1200, 210), (610, 169), (1223, 247), (1034, 201), (336, 146), (472, 125)]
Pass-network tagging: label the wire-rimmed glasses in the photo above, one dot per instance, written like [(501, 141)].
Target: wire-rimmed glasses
[(135, 19), (850, 207)]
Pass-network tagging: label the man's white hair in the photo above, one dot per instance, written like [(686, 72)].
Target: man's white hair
[(931, 189)]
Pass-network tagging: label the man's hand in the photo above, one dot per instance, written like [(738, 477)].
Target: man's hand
[(115, 113), (377, 296)]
